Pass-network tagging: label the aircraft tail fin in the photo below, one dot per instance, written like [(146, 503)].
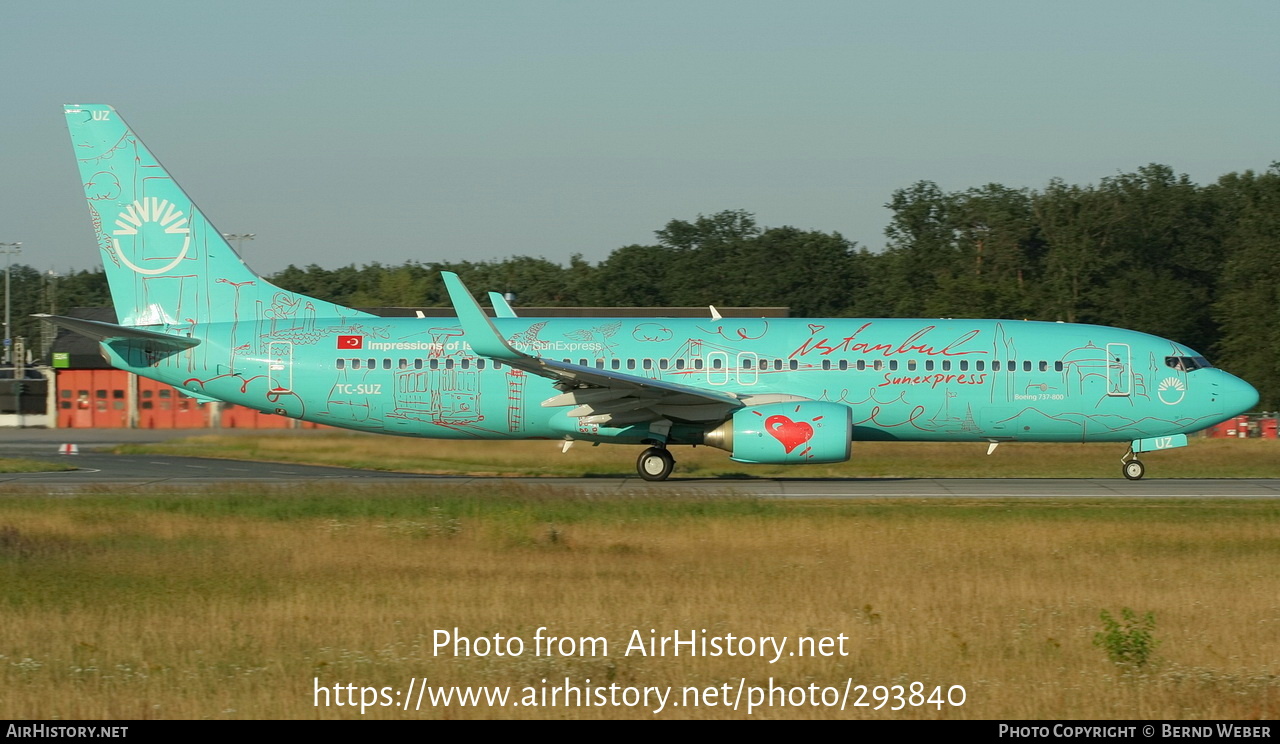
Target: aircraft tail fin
[(166, 264)]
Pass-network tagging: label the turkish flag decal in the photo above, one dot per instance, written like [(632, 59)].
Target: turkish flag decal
[(350, 342)]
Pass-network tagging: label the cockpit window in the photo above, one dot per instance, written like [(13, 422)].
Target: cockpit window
[(1187, 364)]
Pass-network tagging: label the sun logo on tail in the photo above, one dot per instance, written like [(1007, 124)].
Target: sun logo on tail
[(156, 211)]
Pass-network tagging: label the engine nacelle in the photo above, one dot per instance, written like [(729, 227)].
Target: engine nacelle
[(792, 433)]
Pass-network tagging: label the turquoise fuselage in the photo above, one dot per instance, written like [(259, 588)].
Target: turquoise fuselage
[(904, 379)]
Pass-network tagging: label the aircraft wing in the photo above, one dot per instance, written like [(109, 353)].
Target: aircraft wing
[(598, 396)]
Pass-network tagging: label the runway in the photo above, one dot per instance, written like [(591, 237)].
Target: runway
[(124, 472)]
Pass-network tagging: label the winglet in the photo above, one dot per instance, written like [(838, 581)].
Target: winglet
[(501, 308), (478, 328)]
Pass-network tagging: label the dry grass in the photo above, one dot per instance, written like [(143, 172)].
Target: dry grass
[(228, 606), (1204, 458)]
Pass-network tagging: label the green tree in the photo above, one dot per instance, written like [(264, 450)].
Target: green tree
[(1247, 307)]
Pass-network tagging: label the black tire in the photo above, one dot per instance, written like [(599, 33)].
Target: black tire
[(655, 464), (1134, 470)]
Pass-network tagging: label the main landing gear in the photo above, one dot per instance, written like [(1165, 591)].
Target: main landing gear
[(655, 464), (1131, 466)]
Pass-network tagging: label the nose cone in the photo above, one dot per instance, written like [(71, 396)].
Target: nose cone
[(1235, 395)]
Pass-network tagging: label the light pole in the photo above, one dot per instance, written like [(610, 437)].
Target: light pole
[(10, 250), (239, 238)]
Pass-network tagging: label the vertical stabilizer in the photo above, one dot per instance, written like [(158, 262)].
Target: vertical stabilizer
[(165, 263)]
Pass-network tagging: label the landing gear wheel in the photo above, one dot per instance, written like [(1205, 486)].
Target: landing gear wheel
[(1134, 470), (655, 464)]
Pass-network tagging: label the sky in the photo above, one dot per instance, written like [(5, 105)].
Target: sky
[(353, 132)]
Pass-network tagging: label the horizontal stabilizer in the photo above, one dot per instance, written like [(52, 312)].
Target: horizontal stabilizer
[(106, 332)]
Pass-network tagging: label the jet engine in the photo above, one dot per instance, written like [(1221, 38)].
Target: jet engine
[(790, 433)]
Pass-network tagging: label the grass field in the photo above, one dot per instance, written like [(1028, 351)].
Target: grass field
[(21, 465), (231, 604), (1204, 458)]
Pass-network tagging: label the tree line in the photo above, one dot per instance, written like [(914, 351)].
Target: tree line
[(1149, 250)]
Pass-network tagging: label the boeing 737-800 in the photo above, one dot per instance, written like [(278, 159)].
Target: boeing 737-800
[(192, 314)]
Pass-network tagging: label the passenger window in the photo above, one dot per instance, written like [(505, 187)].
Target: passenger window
[(342, 364), (662, 363), (928, 365), (844, 364), (1044, 366), (480, 364), (697, 364), (911, 365), (795, 364), (355, 364), (826, 364), (417, 364), (647, 364), (679, 364), (893, 365), (946, 365), (448, 363), (1026, 366), (615, 363), (980, 365), (1057, 366), (995, 365), (466, 364), (964, 365), (717, 363), (879, 364), (631, 364), (434, 364)]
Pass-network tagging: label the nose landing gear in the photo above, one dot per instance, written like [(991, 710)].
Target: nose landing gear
[(1131, 466)]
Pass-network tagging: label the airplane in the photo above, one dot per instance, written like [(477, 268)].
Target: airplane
[(777, 390)]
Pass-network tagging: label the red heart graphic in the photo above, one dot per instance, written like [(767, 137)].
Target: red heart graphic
[(792, 434)]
